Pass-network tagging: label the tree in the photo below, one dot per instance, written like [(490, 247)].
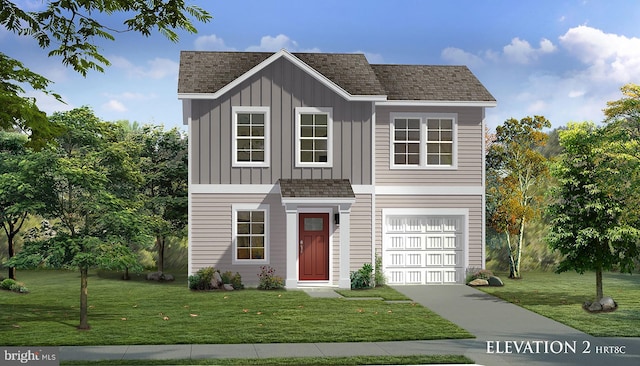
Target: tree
[(20, 179), (70, 29), (515, 170), (92, 176), (588, 221), (164, 164)]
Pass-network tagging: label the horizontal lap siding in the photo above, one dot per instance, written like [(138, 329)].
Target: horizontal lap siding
[(360, 238), (281, 86), (211, 231), (470, 137), (473, 203)]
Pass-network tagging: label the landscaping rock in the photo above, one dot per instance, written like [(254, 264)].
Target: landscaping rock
[(595, 307), (608, 304), (228, 287), (168, 277), (154, 276), (216, 280), (495, 281), (478, 282)]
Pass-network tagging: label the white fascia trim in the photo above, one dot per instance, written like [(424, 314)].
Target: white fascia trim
[(430, 191), (235, 188), (436, 103), (317, 200), (425, 212), (296, 61), (363, 189)]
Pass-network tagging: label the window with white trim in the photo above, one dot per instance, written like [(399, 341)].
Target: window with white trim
[(314, 142), (250, 233), (423, 140), (250, 136)]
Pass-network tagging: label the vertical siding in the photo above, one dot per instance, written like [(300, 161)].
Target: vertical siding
[(473, 203), (470, 136), (211, 239), (283, 87)]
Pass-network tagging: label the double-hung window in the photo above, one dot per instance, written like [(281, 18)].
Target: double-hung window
[(423, 140), (250, 136), (314, 141), (250, 233)]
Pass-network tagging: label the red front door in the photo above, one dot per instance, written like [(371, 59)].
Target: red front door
[(313, 246)]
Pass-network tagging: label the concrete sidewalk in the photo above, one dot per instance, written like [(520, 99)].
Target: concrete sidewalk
[(506, 335)]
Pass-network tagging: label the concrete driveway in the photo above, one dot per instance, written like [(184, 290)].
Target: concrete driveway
[(510, 335)]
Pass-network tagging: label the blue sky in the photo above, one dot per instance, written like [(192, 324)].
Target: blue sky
[(560, 59)]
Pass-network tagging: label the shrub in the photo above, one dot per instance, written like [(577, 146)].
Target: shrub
[(268, 279), (7, 283), (194, 282), (234, 279), (473, 274), (379, 278), (362, 278)]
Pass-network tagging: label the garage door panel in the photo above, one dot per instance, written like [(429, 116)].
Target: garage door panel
[(423, 249)]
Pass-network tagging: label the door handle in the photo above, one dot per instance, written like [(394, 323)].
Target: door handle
[(301, 246)]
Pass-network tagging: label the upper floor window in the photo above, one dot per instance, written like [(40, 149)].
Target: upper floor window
[(423, 140), (250, 136), (314, 141)]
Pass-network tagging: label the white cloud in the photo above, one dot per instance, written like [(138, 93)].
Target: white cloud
[(158, 68), (520, 51), (273, 44), (576, 93), (48, 103), (211, 43), (609, 57), (114, 106), (459, 56)]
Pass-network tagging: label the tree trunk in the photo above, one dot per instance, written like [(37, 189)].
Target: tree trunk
[(512, 264), (520, 245), (160, 244), (12, 270), (125, 276), (599, 294), (84, 318)]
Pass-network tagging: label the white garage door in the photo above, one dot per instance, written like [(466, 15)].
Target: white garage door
[(421, 249)]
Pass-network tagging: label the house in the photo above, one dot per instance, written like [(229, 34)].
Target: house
[(314, 163)]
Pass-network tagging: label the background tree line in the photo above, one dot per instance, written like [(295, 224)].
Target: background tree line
[(567, 199)]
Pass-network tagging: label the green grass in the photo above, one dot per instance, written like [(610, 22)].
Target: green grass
[(384, 292), (134, 312), (560, 297), (302, 361)]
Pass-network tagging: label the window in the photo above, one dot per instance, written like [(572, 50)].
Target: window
[(250, 136), (251, 233), (423, 141), (314, 143)]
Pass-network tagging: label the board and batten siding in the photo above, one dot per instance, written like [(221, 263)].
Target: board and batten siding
[(211, 233), (469, 149), (472, 203), (281, 86)]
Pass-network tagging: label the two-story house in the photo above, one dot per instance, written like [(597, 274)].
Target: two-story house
[(314, 163)]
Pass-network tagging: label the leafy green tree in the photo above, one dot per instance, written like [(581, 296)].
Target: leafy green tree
[(93, 175), (515, 170), (589, 225), (70, 29), (164, 165)]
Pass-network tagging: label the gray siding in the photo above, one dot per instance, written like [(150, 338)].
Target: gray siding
[(470, 137), (283, 87), (473, 203), (211, 233)]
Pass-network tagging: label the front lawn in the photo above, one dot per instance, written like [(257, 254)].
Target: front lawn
[(560, 297), (141, 312)]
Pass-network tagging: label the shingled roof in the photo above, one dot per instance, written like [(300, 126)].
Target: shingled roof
[(207, 72), (315, 188)]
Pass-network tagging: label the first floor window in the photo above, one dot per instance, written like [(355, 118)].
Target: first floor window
[(251, 234)]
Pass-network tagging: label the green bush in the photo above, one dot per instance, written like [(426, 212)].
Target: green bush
[(234, 279), (362, 278), (473, 274), (194, 282), (379, 278), (12, 285), (7, 283), (268, 279)]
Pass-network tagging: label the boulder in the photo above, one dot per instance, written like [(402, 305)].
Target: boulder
[(154, 276), (478, 282), (168, 277), (216, 280), (608, 304), (495, 281), (228, 287), (595, 307)]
